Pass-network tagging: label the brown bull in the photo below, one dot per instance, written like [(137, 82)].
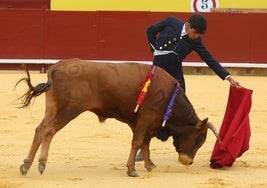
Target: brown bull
[(110, 91)]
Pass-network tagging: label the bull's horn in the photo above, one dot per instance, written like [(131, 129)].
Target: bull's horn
[(214, 130)]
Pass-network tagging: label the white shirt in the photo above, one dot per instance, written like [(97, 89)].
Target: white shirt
[(183, 32)]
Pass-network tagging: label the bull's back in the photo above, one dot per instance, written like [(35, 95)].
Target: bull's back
[(109, 89), (99, 76)]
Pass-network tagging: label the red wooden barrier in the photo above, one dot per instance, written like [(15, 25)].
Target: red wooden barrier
[(33, 4), (21, 33), (107, 35)]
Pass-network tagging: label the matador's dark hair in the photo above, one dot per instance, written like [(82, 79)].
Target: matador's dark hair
[(198, 22)]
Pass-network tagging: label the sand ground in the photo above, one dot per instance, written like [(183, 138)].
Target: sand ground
[(89, 154)]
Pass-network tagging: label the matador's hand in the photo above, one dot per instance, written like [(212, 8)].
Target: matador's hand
[(233, 82)]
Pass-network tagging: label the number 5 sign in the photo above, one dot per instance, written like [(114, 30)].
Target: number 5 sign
[(203, 5)]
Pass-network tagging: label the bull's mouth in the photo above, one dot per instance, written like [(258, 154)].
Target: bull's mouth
[(185, 159)]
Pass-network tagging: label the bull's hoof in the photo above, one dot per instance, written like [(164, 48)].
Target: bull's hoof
[(132, 174), (150, 167), (41, 168), (23, 170)]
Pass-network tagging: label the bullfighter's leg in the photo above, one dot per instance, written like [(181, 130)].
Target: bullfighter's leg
[(139, 156)]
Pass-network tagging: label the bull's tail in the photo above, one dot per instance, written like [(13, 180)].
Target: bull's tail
[(32, 92)]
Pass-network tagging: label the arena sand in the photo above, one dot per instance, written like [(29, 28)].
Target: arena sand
[(89, 154)]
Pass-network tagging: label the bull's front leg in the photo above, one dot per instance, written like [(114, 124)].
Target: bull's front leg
[(136, 144), (140, 140), (131, 160), (149, 165)]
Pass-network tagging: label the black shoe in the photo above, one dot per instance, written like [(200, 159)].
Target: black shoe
[(139, 156)]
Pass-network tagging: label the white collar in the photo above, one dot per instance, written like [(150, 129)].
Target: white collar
[(183, 32)]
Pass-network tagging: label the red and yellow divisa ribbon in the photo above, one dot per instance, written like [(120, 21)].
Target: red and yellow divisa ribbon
[(144, 90)]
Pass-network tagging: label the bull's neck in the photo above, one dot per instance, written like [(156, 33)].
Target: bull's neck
[(183, 111)]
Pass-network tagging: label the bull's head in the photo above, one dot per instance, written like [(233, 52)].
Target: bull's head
[(187, 139)]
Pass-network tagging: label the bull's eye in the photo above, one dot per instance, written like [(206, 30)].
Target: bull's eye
[(200, 139)]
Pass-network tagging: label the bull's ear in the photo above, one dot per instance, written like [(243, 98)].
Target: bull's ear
[(202, 123), (162, 134)]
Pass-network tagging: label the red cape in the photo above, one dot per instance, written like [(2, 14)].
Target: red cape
[(235, 129)]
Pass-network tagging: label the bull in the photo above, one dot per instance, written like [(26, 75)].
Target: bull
[(110, 91)]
